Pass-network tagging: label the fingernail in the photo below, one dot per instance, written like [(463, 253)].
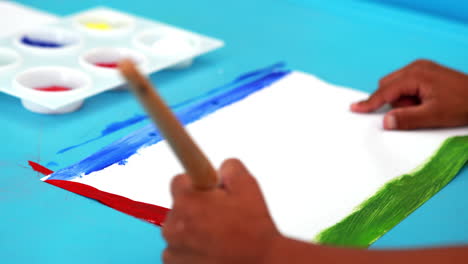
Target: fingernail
[(390, 122)]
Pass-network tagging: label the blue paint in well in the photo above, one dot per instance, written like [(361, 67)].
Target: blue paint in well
[(40, 43), (122, 149)]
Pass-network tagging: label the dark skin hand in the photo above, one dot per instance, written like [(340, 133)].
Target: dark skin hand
[(231, 224), (216, 226), (423, 94)]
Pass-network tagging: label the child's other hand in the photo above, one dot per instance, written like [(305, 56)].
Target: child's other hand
[(423, 95)]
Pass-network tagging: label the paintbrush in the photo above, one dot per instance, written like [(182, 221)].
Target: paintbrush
[(197, 166)]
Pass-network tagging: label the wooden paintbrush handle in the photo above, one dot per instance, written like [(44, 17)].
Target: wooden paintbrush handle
[(196, 164)]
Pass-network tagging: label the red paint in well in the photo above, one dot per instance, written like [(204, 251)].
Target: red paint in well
[(53, 88), (111, 65), (148, 212)]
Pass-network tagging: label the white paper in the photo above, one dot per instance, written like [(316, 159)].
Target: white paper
[(315, 160)]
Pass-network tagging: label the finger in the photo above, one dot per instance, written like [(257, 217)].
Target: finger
[(177, 235), (394, 75), (235, 177), (374, 102), (409, 118), (180, 184), (169, 256), (420, 63), (177, 256), (169, 228), (387, 94), (406, 101), (173, 228)]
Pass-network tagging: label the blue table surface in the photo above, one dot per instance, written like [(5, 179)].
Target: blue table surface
[(351, 43)]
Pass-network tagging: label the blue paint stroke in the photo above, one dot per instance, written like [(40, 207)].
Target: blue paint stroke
[(40, 43), (259, 72), (241, 80), (52, 164), (111, 128), (245, 78), (121, 150)]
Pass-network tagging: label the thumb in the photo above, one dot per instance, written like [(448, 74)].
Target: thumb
[(409, 118), (235, 177)]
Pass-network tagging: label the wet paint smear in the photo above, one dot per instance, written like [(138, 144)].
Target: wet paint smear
[(40, 43), (54, 88), (147, 212), (111, 65), (398, 198), (98, 26), (147, 136)]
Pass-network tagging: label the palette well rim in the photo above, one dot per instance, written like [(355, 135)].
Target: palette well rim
[(64, 41), (105, 17), (90, 61), (58, 76), (12, 57), (104, 79)]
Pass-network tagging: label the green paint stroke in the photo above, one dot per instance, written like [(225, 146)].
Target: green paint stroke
[(398, 198)]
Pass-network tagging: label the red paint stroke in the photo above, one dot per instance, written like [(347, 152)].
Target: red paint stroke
[(148, 212), (107, 64), (39, 168), (54, 88)]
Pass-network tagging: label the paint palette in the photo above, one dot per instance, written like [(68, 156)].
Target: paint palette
[(54, 67)]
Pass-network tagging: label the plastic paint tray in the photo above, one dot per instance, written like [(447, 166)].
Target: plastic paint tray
[(53, 68)]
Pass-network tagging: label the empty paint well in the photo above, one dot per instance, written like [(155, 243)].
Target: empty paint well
[(53, 82), (9, 60), (47, 40), (104, 60), (161, 44), (104, 23)]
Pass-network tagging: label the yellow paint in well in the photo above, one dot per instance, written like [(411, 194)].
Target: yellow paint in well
[(98, 25)]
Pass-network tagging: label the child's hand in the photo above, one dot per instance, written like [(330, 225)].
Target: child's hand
[(424, 95), (230, 224)]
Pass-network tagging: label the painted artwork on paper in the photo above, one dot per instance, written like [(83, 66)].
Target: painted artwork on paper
[(348, 180)]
